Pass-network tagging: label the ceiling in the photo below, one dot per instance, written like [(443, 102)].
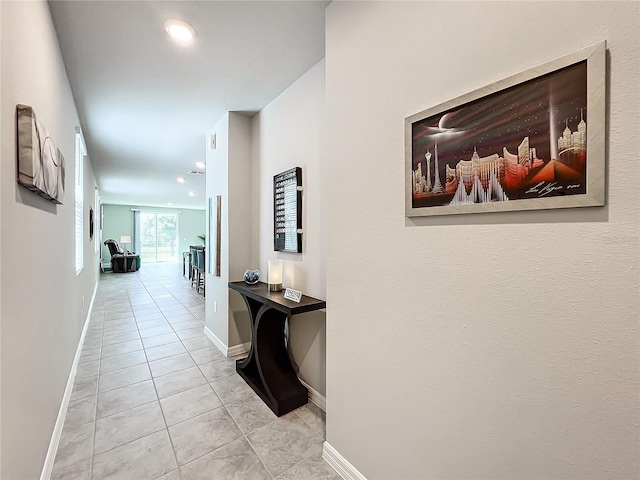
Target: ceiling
[(147, 103)]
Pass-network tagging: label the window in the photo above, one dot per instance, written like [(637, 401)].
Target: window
[(158, 237), (81, 151)]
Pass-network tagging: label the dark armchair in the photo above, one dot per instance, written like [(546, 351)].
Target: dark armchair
[(119, 257), (114, 248)]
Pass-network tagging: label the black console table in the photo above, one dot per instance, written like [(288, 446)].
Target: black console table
[(267, 369)]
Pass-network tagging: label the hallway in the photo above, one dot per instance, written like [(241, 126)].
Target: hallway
[(154, 398)]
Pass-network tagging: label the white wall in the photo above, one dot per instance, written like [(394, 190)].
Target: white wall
[(286, 134), (42, 298), (1, 156), (229, 175), (239, 223), (216, 300), (1, 176), (499, 346)]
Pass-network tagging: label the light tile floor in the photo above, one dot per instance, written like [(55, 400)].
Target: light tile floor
[(154, 399)]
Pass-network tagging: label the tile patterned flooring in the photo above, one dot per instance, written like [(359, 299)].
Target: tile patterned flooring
[(154, 399)]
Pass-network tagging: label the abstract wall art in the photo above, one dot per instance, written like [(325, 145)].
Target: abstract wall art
[(40, 163)]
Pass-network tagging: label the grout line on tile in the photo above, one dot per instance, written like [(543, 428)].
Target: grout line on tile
[(246, 437), (95, 418)]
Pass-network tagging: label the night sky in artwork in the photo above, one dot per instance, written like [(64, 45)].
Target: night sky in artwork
[(537, 109)]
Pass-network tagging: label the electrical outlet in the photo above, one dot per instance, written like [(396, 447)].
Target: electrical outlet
[(215, 307), (213, 142)]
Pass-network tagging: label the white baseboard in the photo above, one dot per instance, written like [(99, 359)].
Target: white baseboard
[(62, 413), (215, 340), (238, 350), (226, 351), (340, 464), (315, 396)]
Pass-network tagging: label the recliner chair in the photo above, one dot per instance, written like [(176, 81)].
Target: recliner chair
[(119, 256), (114, 248)]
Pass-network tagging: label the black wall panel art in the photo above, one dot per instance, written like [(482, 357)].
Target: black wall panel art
[(287, 211)]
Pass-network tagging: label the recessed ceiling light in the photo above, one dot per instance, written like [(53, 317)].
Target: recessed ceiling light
[(192, 194), (169, 203), (180, 179), (180, 31), (200, 165)]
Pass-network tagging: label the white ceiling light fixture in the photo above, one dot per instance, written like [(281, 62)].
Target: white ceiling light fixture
[(201, 165), (180, 179), (181, 32), (192, 194)]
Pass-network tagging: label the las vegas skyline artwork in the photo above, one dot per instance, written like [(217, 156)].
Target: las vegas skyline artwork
[(527, 141)]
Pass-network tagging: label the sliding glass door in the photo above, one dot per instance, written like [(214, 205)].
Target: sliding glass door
[(158, 237)]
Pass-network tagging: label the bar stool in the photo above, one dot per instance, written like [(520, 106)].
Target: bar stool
[(193, 268), (200, 271)]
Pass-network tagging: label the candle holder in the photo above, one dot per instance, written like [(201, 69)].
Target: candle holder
[(274, 275)]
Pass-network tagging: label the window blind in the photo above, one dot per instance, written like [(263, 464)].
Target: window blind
[(79, 199)]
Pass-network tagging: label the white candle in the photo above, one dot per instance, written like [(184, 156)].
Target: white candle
[(274, 275)]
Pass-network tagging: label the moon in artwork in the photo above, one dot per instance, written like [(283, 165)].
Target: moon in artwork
[(442, 123)]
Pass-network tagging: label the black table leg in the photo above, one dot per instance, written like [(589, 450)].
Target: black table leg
[(267, 369)]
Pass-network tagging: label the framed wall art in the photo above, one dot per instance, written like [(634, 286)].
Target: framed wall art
[(90, 223), (535, 140), (218, 234), (215, 232), (287, 211), (40, 163)]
